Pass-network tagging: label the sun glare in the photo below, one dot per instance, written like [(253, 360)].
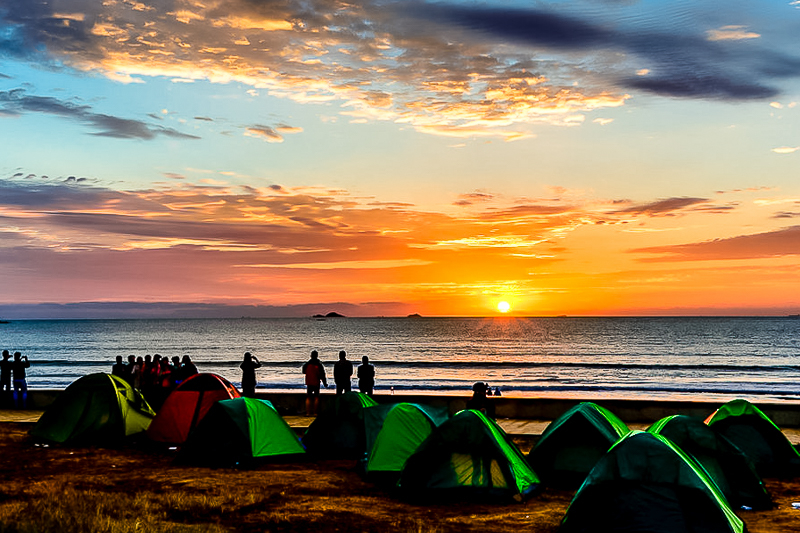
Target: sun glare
[(504, 307)]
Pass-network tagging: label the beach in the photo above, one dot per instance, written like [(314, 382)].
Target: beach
[(139, 487)]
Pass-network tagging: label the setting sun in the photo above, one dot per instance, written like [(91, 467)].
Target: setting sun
[(504, 307)]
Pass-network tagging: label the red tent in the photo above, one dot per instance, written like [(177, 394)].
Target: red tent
[(187, 405)]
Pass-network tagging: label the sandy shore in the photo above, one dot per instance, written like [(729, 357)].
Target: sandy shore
[(138, 488)]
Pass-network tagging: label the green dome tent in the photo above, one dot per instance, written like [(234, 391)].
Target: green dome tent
[(238, 431), (729, 467), (571, 444), (393, 433), (339, 430), (95, 409), (646, 483), (758, 437), (467, 457)]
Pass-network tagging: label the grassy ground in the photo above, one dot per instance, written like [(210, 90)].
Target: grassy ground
[(65, 489), (100, 490)]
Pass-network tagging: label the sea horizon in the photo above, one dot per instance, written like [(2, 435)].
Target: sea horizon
[(790, 316), (126, 310), (637, 357)]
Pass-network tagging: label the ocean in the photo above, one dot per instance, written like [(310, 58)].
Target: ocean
[(588, 358)]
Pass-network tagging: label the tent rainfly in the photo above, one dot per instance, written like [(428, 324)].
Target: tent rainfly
[(339, 430), (758, 437), (729, 467), (468, 457), (237, 432), (95, 409), (187, 405), (393, 433), (571, 444), (646, 483)]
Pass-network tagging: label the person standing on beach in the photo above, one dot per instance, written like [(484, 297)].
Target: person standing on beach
[(248, 367), (136, 373), (342, 372), (5, 374), (147, 366), (119, 368), (315, 373), (20, 382), (155, 372), (366, 376), (187, 369), (129, 369), (166, 381), (479, 401)]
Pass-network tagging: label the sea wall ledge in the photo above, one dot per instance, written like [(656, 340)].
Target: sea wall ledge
[(786, 414)]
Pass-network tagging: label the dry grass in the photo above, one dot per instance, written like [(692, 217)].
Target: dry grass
[(135, 489), (66, 490)]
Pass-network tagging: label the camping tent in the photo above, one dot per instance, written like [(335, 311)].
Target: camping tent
[(729, 467), (646, 483), (756, 435), (339, 430), (393, 433), (97, 409), (571, 445), (237, 431), (468, 457), (187, 405)]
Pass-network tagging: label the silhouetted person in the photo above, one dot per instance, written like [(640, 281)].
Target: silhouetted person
[(165, 376), (479, 401), (342, 372), (155, 371), (315, 373), (150, 381), (161, 383), (187, 369), (366, 376), (130, 369), (119, 368), (248, 367), (147, 367), (5, 373), (136, 373), (20, 382)]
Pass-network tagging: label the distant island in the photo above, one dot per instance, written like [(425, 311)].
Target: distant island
[(332, 314), (414, 315)]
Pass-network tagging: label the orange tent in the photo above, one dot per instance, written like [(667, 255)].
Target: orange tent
[(187, 405)]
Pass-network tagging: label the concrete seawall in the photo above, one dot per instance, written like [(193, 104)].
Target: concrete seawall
[(784, 414)]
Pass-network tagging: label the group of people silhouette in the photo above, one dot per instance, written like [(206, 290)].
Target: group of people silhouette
[(154, 375), (16, 368), (158, 375), (342, 377)]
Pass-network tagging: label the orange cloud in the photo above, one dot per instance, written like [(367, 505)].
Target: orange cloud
[(779, 243), (280, 245)]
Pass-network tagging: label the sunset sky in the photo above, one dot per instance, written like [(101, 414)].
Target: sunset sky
[(597, 157)]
